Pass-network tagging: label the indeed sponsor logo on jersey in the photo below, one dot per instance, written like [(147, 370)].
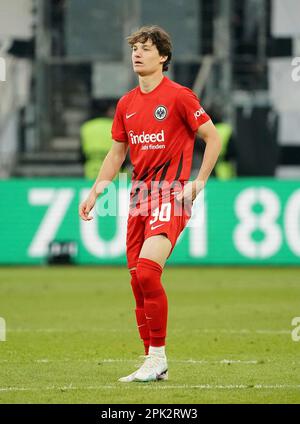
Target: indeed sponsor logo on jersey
[(146, 138)]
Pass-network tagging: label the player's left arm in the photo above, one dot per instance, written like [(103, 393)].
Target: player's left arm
[(208, 133)]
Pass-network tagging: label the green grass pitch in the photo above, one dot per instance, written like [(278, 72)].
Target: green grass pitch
[(71, 334)]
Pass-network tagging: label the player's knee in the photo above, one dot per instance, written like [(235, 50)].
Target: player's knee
[(150, 286), (144, 278), (148, 275)]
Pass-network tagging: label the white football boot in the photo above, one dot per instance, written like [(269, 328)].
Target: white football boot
[(129, 378), (154, 368)]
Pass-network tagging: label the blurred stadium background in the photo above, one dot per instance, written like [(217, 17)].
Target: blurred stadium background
[(70, 330)]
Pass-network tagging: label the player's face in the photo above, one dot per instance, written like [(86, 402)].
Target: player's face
[(146, 58)]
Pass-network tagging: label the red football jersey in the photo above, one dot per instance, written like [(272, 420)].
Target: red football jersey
[(160, 128)]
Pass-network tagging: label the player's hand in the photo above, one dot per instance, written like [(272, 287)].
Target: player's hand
[(86, 206), (190, 191)]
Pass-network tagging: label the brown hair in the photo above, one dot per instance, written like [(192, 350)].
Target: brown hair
[(158, 36)]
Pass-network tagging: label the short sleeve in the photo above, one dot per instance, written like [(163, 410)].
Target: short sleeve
[(190, 109), (118, 130)]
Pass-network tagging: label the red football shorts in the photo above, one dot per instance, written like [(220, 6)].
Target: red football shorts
[(168, 218)]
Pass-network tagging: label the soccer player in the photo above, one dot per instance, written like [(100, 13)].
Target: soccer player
[(157, 121)]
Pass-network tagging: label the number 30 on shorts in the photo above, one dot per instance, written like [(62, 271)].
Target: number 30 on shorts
[(163, 214)]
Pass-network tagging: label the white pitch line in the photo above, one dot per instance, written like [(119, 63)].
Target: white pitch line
[(243, 331), (61, 330), (157, 386), (110, 360), (194, 361), (122, 330)]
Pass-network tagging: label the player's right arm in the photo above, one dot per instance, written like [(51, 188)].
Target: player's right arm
[(109, 169)]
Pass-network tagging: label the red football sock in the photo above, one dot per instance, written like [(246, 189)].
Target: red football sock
[(148, 274), (140, 312)]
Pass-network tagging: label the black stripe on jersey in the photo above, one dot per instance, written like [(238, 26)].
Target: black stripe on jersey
[(135, 195), (163, 175), (164, 172), (134, 198), (143, 177), (174, 185), (179, 169), (158, 168)]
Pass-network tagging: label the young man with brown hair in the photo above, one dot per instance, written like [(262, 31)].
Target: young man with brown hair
[(157, 121)]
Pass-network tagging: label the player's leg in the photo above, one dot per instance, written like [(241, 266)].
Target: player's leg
[(134, 243), (151, 292), (139, 310), (157, 247), (150, 265), (162, 229)]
